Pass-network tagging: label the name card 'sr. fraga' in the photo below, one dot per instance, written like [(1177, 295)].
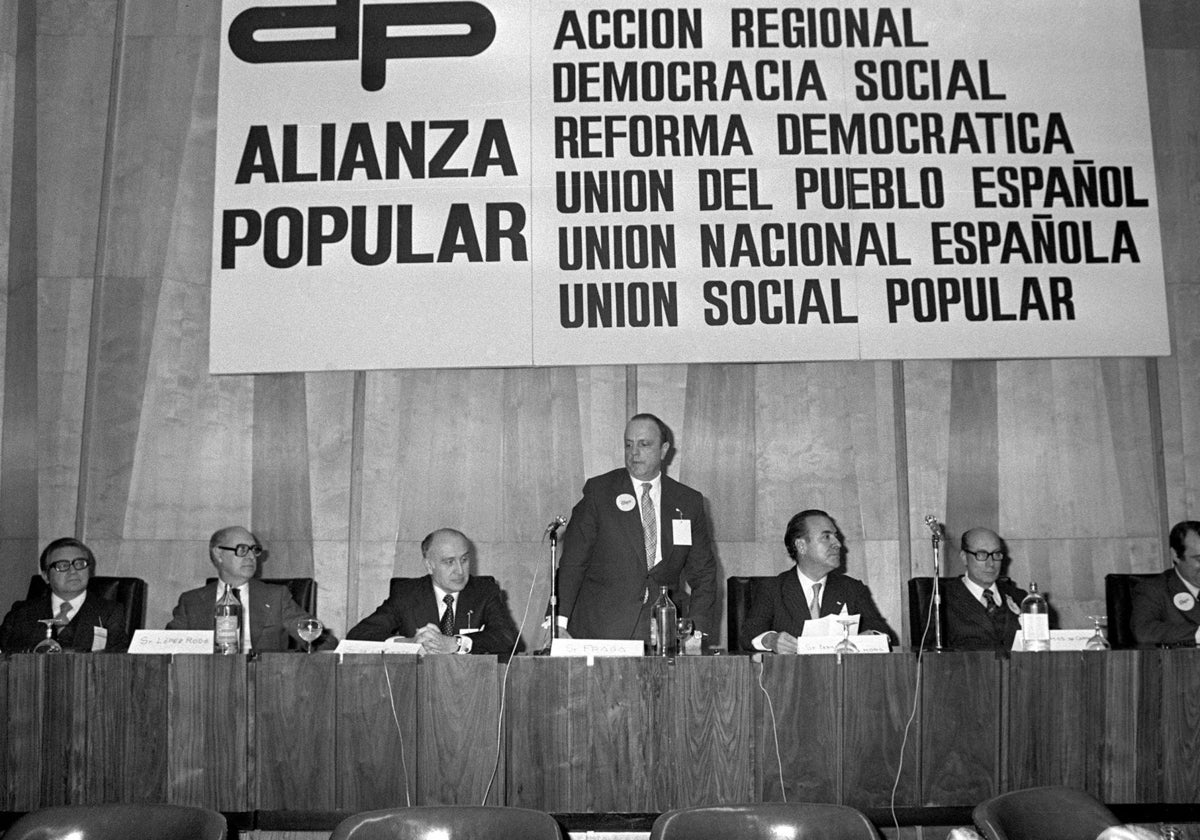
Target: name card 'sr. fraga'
[(376, 45)]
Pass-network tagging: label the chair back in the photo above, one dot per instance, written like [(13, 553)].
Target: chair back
[(1118, 597), (765, 821), (739, 595), (399, 584), (461, 822), (920, 598), (129, 592), (1043, 813), (119, 822)]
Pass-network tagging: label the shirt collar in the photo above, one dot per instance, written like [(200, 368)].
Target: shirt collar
[(76, 602), (977, 590), (655, 483)]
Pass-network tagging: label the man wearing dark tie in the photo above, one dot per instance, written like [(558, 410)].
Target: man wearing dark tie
[(635, 530), (269, 614), (85, 622), (448, 610), (1166, 608), (983, 609), (815, 587)]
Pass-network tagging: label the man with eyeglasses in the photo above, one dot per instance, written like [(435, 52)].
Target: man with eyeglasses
[(983, 609), (269, 614), (87, 622)]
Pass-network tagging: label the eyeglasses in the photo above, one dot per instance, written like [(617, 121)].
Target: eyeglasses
[(241, 549), (79, 563), (984, 556)]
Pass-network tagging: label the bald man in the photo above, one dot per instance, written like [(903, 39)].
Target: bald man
[(983, 609), (448, 610)]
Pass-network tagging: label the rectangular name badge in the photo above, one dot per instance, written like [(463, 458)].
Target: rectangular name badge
[(681, 531), (171, 641), (99, 638)]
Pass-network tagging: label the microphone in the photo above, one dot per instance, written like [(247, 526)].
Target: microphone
[(933, 524), (552, 528)]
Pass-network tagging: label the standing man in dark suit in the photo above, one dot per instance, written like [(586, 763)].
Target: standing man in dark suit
[(269, 614), (983, 609), (87, 622), (1166, 608), (634, 530), (814, 585), (447, 610)]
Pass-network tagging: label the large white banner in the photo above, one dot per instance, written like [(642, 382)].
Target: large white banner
[(476, 184)]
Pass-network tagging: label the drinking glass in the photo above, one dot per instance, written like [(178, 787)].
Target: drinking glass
[(310, 629), (684, 626), (1097, 641), (845, 645), (48, 644)]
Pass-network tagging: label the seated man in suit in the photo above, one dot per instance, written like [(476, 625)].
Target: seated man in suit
[(447, 610), (815, 585), (1166, 608), (983, 609), (269, 614), (86, 622)]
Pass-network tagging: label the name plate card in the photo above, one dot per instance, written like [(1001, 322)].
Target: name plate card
[(866, 643), (597, 647), (1059, 640), (171, 641), (389, 646)]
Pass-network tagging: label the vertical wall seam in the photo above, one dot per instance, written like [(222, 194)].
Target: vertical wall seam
[(99, 268)]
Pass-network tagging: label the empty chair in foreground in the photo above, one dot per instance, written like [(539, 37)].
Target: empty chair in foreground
[(765, 821), (119, 822), (449, 822), (1043, 813)]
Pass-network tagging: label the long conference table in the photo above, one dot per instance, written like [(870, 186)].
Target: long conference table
[(294, 734)]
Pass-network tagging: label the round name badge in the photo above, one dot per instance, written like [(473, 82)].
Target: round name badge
[(1012, 605), (1184, 601), (626, 502)]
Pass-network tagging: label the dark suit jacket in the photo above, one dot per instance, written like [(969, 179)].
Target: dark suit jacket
[(1155, 619), (604, 588), (273, 615), (412, 607), (969, 627), (779, 605), (21, 630)]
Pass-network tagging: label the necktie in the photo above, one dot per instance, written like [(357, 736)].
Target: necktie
[(447, 626), (236, 592), (814, 606), (64, 612), (649, 525), (989, 602)]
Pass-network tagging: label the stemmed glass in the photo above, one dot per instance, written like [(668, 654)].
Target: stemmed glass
[(48, 644), (1097, 641), (684, 626), (310, 629), (845, 645)]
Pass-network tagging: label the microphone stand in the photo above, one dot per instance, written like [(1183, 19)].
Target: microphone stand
[(552, 530), (937, 590)]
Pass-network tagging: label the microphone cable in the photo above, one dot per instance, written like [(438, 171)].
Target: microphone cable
[(912, 714), (774, 726), (399, 732), (504, 680)]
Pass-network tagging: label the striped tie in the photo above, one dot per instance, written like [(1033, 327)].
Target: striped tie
[(649, 526)]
